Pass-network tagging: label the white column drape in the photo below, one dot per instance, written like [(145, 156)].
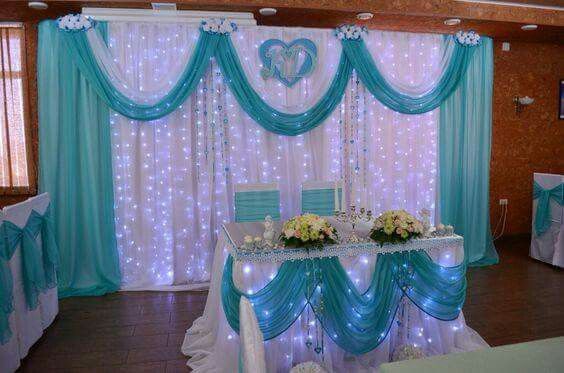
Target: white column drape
[(174, 177)]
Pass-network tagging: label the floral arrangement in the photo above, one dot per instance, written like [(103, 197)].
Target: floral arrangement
[(407, 352), (75, 22), (308, 367), (467, 38), (307, 230), (396, 226), (218, 26), (351, 32)]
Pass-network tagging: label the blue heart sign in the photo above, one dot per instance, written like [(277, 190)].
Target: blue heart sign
[(288, 62)]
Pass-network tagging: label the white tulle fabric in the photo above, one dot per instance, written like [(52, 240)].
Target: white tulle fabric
[(252, 343), (213, 346), (166, 49), (308, 90), (426, 57), (174, 177)]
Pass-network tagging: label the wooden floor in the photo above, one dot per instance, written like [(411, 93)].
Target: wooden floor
[(518, 300)]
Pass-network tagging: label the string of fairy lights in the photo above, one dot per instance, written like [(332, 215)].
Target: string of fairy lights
[(174, 177)]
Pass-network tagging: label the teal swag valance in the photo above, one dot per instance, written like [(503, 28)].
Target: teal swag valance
[(356, 322), (355, 56)]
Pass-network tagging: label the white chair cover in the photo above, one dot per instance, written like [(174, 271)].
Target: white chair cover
[(252, 347), (549, 247), (27, 326), (9, 352)]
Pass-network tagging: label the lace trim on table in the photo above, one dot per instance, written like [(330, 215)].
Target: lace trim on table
[(341, 250)]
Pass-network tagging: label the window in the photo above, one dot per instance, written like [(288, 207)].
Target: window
[(14, 130)]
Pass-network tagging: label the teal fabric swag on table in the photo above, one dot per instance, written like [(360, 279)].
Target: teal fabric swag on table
[(39, 265), (356, 322)]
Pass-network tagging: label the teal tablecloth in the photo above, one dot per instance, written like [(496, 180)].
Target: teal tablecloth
[(541, 356)]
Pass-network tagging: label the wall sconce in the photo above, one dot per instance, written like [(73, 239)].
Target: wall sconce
[(521, 102)]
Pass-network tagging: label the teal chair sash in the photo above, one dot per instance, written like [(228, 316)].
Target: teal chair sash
[(542, 216), (320, 201), (256, 205), (38, 270)]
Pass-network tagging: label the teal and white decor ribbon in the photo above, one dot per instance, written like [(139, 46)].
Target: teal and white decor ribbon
[(39, 265)]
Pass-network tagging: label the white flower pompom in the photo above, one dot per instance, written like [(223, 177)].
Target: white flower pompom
[(218, 26), (350, 32), (75, 22), (467, 38)]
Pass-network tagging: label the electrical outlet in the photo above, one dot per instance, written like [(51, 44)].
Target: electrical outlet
[(503, 202)]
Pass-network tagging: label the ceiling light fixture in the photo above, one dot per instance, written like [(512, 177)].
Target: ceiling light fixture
[(37, 5), (365, 16), (452, 21), (529, 27), (267, 11)]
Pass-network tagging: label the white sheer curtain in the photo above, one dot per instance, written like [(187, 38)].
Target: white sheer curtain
[(174, 177)]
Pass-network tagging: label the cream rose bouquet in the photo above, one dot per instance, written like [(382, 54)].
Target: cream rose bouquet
[(396, 226), (307, 230)]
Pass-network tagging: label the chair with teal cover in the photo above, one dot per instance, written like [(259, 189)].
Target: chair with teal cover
[(253, 202), (321, 197)]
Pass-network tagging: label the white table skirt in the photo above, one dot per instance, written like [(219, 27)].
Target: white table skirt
[(214, 347), (27, 326), (549, 247)]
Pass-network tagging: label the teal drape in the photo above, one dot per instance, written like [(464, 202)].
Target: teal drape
[(356, 322), (362, 61), (543, 218), (75, 168), (256, 205), (39, 265), (464, 157), (354, 56)]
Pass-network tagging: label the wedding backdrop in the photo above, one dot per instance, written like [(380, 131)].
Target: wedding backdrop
[(145, 129)]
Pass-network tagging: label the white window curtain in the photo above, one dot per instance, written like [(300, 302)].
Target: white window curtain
[(174, 177)]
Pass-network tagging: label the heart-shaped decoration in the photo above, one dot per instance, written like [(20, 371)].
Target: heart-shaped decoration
[(288, 62)]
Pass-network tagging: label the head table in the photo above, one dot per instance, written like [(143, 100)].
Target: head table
[(348, 306)]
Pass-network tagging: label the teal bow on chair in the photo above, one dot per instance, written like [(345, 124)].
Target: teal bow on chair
[(38, 271), (543, 219)]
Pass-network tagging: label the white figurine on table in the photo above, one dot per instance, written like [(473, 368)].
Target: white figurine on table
[(268, 234)]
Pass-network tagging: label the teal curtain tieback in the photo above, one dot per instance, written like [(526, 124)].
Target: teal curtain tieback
[(39, 266), (356, 322), (355, 56), (543, 219)]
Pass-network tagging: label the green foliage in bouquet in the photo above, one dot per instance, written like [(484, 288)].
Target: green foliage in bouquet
[(309, 231), (395, 226)]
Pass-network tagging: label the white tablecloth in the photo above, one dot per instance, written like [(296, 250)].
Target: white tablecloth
[(27, 326), (549, 247), (214, 347)]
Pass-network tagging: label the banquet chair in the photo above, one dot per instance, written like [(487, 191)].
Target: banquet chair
[(251, 354), (253, 202), (547, 238), (319, 197)]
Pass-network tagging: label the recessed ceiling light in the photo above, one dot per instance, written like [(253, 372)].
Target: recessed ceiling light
[(267, 11), (364, 16), (38, 5), (529, 27), (452, 21)]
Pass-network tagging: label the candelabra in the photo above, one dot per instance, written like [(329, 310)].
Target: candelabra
[(353, 217)]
